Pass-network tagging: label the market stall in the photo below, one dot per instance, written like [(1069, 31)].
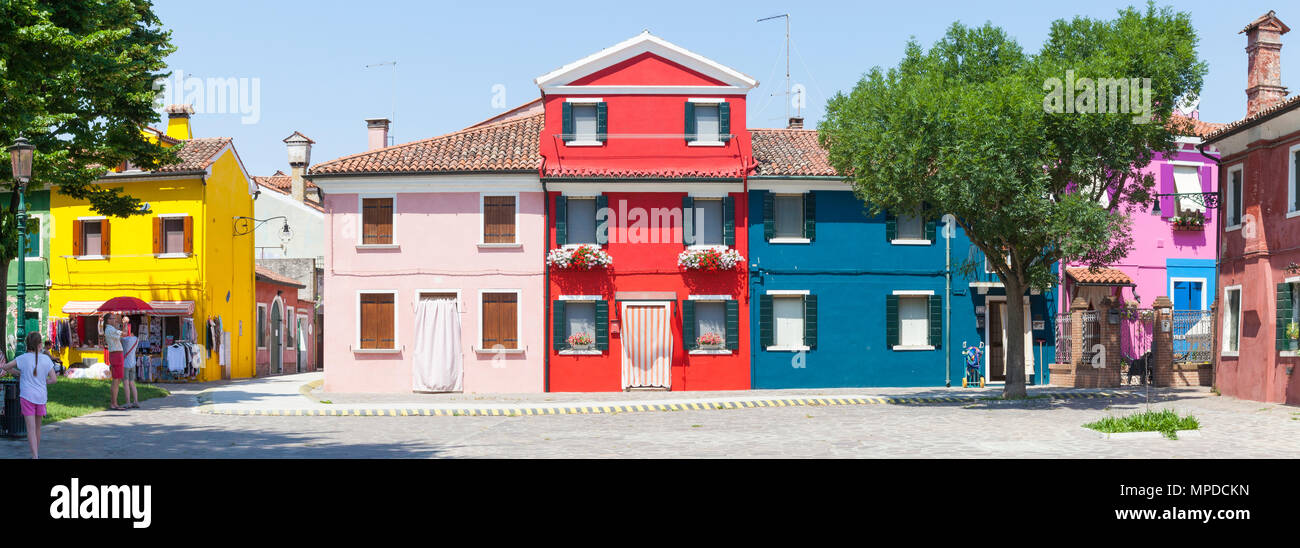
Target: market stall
[(169, 344)]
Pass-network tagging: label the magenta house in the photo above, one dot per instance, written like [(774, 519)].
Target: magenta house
[(434, 254)]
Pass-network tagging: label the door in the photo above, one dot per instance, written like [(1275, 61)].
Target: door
[(277, 330), (997, 337), (437, 364), (647, 345), (300, 344)]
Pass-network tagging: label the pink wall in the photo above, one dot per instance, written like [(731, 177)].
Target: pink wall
[(437, 237)]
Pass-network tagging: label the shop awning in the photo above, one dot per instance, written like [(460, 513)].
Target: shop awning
[(161, 308)]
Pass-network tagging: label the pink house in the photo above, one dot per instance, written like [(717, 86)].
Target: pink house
[(434, 259)]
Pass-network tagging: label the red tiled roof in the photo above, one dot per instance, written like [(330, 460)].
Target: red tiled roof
[(263, 274), (562, 172), (1199, 128), (510, 145), (789, 152), (283, 184), (1108, 276), (1229, 129), (196, 154)]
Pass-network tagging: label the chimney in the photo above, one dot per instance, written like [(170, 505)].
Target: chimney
[(299, 146), (1264, 63), (377, 128), (796, 122), (178, 121)]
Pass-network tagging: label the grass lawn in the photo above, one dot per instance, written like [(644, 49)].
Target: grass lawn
[(1166, 422), (76, 397)]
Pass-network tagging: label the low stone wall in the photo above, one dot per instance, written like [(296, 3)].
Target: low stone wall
[(1186, 375), (1083, 376)]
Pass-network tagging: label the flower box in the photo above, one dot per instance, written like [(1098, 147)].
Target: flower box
[(710, 259), (581, 257), (581, 341), (710, 341), (1189, 221)]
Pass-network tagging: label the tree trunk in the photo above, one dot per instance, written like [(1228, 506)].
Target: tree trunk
[(1015, 347)]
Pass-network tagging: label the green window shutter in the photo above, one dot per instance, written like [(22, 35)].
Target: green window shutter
[(688, 325), (936, 321), (561, 213), (602, 127), (566, 111), (765, 321), (559, 327), (810, 321), (724, 121), (602, 202), (891, 227), (810, 215), (690, 122), (1283, 315), (769, 215), (891, 321), (729, 221), (602, 325), (688, 221), (733, 324)]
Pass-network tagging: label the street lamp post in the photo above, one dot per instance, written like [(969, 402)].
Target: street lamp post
[(20, 155)]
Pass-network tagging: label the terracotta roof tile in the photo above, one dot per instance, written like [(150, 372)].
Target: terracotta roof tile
[(1109, 276), (283, 184), (196, 154), (1199, 128), (585, 172), (264, 274), (789, 152), (510, 145), (1231, 128)]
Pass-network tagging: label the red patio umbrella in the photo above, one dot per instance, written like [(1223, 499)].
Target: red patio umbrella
[(125, 305)]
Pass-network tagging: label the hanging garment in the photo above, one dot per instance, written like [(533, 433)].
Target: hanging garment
[(210, 339), (176, 360), (647, 347), (437, 363), (81, 328)]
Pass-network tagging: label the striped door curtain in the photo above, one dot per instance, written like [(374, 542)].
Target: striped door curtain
[(647, 347)]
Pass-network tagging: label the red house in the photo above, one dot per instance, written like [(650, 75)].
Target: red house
[(645, 154), (1259, 265)]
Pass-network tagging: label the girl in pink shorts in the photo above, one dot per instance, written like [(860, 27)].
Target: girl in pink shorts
[(35, 371)]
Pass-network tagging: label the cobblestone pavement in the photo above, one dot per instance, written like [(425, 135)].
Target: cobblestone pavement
[(170, 428)]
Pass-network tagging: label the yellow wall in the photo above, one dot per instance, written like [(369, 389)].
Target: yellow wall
[(221, 265)]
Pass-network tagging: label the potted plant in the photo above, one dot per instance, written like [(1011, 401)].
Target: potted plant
[(709, 341), (581, 341), (580, 257), (1293, 334), (1189, 220), (710, 258)]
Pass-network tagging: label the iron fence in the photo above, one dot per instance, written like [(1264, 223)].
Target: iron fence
[(1137, 345), (1091, 335), (1063, 338), (1193, 332)]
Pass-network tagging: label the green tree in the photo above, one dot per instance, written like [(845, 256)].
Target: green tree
[(970, 128), (77, 80)]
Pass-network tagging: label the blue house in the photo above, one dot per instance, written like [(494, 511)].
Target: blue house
[(843, 298)]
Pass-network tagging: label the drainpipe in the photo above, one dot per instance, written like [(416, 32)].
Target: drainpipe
[(546, 283), (947, 304)]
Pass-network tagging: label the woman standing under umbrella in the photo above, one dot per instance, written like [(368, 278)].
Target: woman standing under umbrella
[(113, 343)]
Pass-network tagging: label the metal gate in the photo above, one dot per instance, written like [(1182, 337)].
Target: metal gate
[(1193, 336), (1136, 345)]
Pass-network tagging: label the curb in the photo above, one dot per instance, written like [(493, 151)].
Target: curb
[(1120, 436), (208, 408)]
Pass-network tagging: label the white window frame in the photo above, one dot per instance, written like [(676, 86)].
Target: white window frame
[(519, 323), (711, 101), (361, 222), (579, 299), (482, 221), (40, 249), (585, 101), (802, 217), (261, 329), (1205, 284), (1241, 305), (356, 341), (928, 293), (1293, 208), (1295, 313), (180, 255), (787, 293), (92, 256), (1227, 197), (912, 241), (595, 199)]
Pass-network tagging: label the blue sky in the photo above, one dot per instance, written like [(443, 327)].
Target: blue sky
[(310, 56)]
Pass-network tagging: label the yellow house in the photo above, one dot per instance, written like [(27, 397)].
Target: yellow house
[(184, 256)]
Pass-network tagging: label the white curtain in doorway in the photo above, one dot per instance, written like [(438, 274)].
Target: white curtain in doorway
[(438, 364)]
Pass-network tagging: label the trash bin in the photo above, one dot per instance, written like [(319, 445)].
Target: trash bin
[(11, 416)]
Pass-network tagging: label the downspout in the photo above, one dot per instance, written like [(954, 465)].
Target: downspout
[(546, 280), (947, 305), (1218, 245)]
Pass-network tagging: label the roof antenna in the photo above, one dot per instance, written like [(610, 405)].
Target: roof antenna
[(392, 118), (787, 58)]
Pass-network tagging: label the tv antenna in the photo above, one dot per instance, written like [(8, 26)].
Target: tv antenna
[(786, 16), (392, 117)]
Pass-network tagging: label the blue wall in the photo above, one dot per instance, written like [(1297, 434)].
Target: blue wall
[(852, 268)]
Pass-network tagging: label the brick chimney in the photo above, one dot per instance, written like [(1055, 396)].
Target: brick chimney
[(796, 122), (377, 128), (178, 121), (1264, 63), (299, 146)]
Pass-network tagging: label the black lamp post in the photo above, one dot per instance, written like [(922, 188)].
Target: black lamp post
[(20, 154)]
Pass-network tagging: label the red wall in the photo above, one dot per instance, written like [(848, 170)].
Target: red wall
[(266, 293), (1258, 264)]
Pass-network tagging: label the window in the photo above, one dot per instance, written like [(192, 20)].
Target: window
[(92, 237), (377, 322), (581, 318), (708, 215), (581, 218), (376, 221), (500, 321), (261, 326), (708, 221), (913, 320), (1187, 180), (789, 216), (499, 220), (788, 321), (584, 122), (33, 237), (1235, 187), (1293, 185), (911, 227), (1232, 319), (711, 319), (1288, 314), (708, 122), (173, 235), (572, 315)]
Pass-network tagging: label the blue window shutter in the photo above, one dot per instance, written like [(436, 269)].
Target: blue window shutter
[(690, 122), (765, 321), (936, 321), (733, 325), (688, 325), (729, 221), (602, 127), (810, 321), (724, 121), (688, 221), (602, 325), (891, 321), (561, 213), (566, 112), (769, 215), (810, 215), (559, 326), (1283, 316)]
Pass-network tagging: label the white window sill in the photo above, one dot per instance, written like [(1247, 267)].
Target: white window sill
[(498, 350), (173, 255), (92, 258), (576, 246), (910, 241), (397, 350), (719, 352), (1232, 228), (581, 352), (913, 347), (789, 241), (788, 348), (583, 143), (1229, 354), (1291, 214), (707, 144), (368, 247), (500, 246), (1289, 354), (702, 247)]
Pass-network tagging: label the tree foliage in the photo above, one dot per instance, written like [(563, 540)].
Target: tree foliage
[(965, 128)]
